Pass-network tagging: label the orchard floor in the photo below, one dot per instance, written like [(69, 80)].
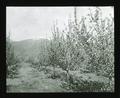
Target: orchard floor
[(31, 80)]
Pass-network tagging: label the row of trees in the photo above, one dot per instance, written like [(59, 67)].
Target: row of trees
[(87, 45), (11, 59)]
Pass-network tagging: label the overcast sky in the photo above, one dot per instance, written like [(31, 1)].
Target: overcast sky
[(37, 22)]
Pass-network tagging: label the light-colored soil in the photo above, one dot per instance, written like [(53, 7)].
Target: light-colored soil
[(31, 80)]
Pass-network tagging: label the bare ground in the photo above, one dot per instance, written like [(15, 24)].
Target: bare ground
[(31, 80)]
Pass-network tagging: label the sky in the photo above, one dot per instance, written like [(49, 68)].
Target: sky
[(37, 22)]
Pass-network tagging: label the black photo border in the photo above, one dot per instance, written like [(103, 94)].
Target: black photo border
[(35, 3)]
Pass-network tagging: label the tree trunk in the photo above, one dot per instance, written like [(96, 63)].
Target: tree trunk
[(68, 81), (54, 71), (75, 15)]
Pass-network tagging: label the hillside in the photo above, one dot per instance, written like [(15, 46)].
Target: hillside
[(29, 47)]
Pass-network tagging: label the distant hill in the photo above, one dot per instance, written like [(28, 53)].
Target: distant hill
[(30, 47)]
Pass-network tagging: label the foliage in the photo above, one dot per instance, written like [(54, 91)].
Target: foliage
[(11, 59), (86, 46), (89, 47)]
